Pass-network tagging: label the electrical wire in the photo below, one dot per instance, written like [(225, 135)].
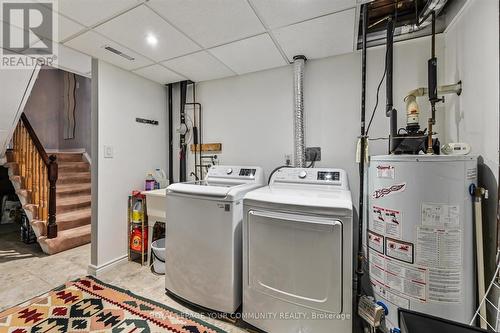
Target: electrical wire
[(311, 165), (378, 91), (276, 169)]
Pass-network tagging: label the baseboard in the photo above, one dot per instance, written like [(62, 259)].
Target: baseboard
[(98, 270)]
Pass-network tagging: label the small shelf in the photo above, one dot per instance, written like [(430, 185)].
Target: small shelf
[(138, 201)]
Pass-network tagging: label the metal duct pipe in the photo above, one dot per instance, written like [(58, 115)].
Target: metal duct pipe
[(299, 158)]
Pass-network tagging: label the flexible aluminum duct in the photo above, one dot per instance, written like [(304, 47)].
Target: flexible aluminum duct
[(299, 158)]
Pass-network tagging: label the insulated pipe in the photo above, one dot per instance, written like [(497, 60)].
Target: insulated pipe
[(298, 96), (389, 108), (361, 209)]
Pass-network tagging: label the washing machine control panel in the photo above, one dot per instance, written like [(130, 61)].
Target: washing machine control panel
[(235, 172), (318, 176)]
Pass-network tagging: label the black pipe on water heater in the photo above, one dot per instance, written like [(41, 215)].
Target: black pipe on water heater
[(389, 109), (432, 66), (170, 136), (360, 257), (182, 141)]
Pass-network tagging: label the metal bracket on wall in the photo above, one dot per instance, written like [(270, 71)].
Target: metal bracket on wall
[(146, 121)]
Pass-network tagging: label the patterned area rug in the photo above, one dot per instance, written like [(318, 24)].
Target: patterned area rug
[(89, 305)]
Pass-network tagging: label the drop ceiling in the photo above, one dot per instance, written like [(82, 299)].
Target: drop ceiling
[(207, 39)]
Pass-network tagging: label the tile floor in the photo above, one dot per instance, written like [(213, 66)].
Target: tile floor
[(26, 272)]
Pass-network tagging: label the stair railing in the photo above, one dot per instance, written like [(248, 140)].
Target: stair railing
[(38, 173)]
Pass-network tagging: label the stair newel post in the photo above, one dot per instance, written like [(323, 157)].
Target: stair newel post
[(53, 174)]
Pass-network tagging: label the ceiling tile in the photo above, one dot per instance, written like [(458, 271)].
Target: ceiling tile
[(210, 22), (159, 74), (318, 38), (67, 28), (90, 12), (278, 13), (250, 55), (73, 61), (199, 66), (133, 27), (93, 44)]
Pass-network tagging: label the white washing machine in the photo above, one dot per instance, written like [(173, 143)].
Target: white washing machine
[(203, 247), (297, 253)]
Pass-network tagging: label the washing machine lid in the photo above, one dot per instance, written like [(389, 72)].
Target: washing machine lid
[(300, 195), (207, 188), (222, 182)]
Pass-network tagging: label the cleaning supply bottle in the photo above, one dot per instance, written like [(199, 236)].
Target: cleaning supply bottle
[(137, 239), (137, 212), (150, 182)]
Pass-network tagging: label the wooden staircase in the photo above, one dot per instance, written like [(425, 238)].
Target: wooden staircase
[(59, 211)]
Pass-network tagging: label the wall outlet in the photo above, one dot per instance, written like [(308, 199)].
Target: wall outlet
[(313, 154), (108, 151)]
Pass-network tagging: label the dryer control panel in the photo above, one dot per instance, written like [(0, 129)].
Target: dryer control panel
[(313, 176)]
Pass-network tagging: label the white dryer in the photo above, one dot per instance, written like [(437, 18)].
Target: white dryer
[(297, 253), (203, 247)]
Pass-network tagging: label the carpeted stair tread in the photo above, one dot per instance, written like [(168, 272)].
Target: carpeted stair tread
[(73, 219), (73, 177), (63, 190), (67, 239), (73, 166), (69, 157), (72, 203)]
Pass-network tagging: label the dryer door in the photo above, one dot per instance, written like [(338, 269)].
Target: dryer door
[(296, 258)]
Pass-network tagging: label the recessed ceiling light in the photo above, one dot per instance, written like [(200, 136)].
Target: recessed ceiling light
[(152, 40)]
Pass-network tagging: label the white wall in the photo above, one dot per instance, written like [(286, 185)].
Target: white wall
[(138, 149), (472, 55), (471, 49), (252, 115)]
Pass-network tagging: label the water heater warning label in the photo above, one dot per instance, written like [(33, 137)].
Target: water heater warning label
[(402, 279), (399, 250), (386, 221), (376, 241)]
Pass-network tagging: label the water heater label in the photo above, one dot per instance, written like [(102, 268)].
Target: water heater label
[(377, 222), (393, 223), (402, 279), (472, 173), (386, 191), (386, 221), (385, 171), (376, 241), (439, 248), (440, 215), (399, 250), (445, 285)]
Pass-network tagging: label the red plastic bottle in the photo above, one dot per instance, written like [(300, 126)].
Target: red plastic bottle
[(136, 240)]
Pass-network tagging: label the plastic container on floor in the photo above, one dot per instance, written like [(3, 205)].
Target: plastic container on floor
[(158, 247)]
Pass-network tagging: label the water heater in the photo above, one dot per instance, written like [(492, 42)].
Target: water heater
[(419, 241)]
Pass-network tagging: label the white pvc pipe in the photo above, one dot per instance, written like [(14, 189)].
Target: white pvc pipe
[(480, 258)]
